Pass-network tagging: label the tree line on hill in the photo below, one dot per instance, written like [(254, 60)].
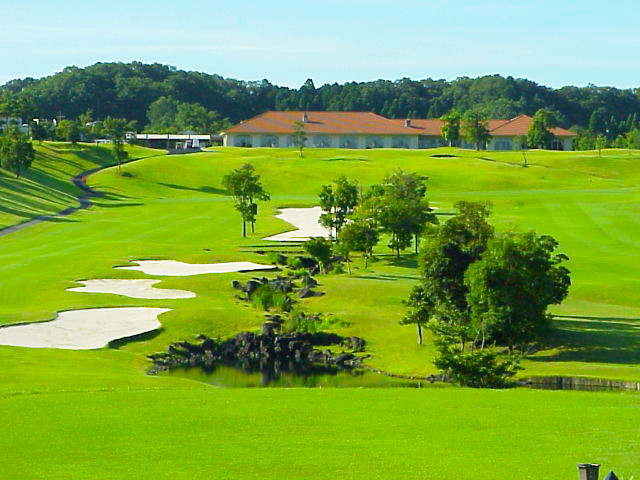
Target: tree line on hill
[(161, 98)]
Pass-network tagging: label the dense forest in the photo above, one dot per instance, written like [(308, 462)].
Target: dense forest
[(160, 97)]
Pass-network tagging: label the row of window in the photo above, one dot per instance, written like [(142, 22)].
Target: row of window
[(324, 141), (320, 141)]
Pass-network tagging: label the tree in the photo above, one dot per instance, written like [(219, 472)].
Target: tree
[(245, 187), (420, 310), (320, 249), (337, 202), (511, 286), (117, 129), (475, 129), (357, 236), (16, 151), (403, 208), (632, 139), (299, 136), (450, 129), (538, 134), (454, 246), (67, 130), (520, 143)]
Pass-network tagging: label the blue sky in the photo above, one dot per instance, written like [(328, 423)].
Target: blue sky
[(554, 43)]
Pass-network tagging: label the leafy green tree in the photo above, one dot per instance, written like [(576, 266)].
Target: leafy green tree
[(454, 246), (73, 133), (512, 285), (337, 202), (16, 151), (41, 130), (67, 130), (320, 249), (403, 209), (357, 236), (632, 139), (299, 136), (116, 129), (420, 310), (244, 185), (475, 128), (162, 115), (450, 129), (538, 134)]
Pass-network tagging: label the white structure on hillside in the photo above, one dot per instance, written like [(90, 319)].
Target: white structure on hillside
[(369, 130)]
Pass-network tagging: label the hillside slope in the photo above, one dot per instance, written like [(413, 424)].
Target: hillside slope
[(46, 186)]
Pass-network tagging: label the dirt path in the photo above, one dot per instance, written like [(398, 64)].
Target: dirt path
[(84, 199)]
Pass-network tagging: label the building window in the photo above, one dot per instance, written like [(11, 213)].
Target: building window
[(348, 142), (322, 141), (375, 142), (557, 144), (288, 141), (243, 141), (503, 144), (400, 142), (269, 141)]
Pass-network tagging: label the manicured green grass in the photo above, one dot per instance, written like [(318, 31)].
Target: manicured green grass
[(45, 188), (322, 433), (98, 404), (173, 207)]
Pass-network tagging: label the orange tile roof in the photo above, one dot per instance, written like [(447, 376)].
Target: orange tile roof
[(422, 126), (366, 123), (520, 125)]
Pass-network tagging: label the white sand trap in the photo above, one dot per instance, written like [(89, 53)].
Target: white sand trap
[(83, 329), (306, 222), (130, 288), (181, 269)]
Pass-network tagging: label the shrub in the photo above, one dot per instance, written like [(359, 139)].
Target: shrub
[(265, 297), (479, 368)]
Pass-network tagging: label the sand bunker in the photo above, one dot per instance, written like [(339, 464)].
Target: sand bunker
[(83, 329), (306, 222), (130, 288), (181, 269)]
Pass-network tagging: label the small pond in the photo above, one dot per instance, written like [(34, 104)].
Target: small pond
[(320, 377)]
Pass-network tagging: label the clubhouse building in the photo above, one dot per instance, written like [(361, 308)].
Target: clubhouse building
[(369, 130)]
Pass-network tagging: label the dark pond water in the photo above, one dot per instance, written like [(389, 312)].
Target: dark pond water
[(229, 377)]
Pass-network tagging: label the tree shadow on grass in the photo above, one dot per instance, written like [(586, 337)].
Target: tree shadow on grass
[(611, 340), (405, 260), (204, 189), (142, 337)]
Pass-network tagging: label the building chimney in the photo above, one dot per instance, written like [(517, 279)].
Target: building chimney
[(407, 122), (305, 117)]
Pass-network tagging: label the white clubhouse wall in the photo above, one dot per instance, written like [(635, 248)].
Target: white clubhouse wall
[(366, 141)]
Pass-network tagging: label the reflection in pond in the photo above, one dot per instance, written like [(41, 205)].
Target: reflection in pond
[(580, 383), (316, 376)]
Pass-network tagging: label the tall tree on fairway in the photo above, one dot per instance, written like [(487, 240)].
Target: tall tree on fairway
[(16, 151), (474, 126), (357, 236), (404, 210), (450, 129), (511, 286), (244, 185), (337, 202), (299, 136), (117, 129), (539, 135)]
